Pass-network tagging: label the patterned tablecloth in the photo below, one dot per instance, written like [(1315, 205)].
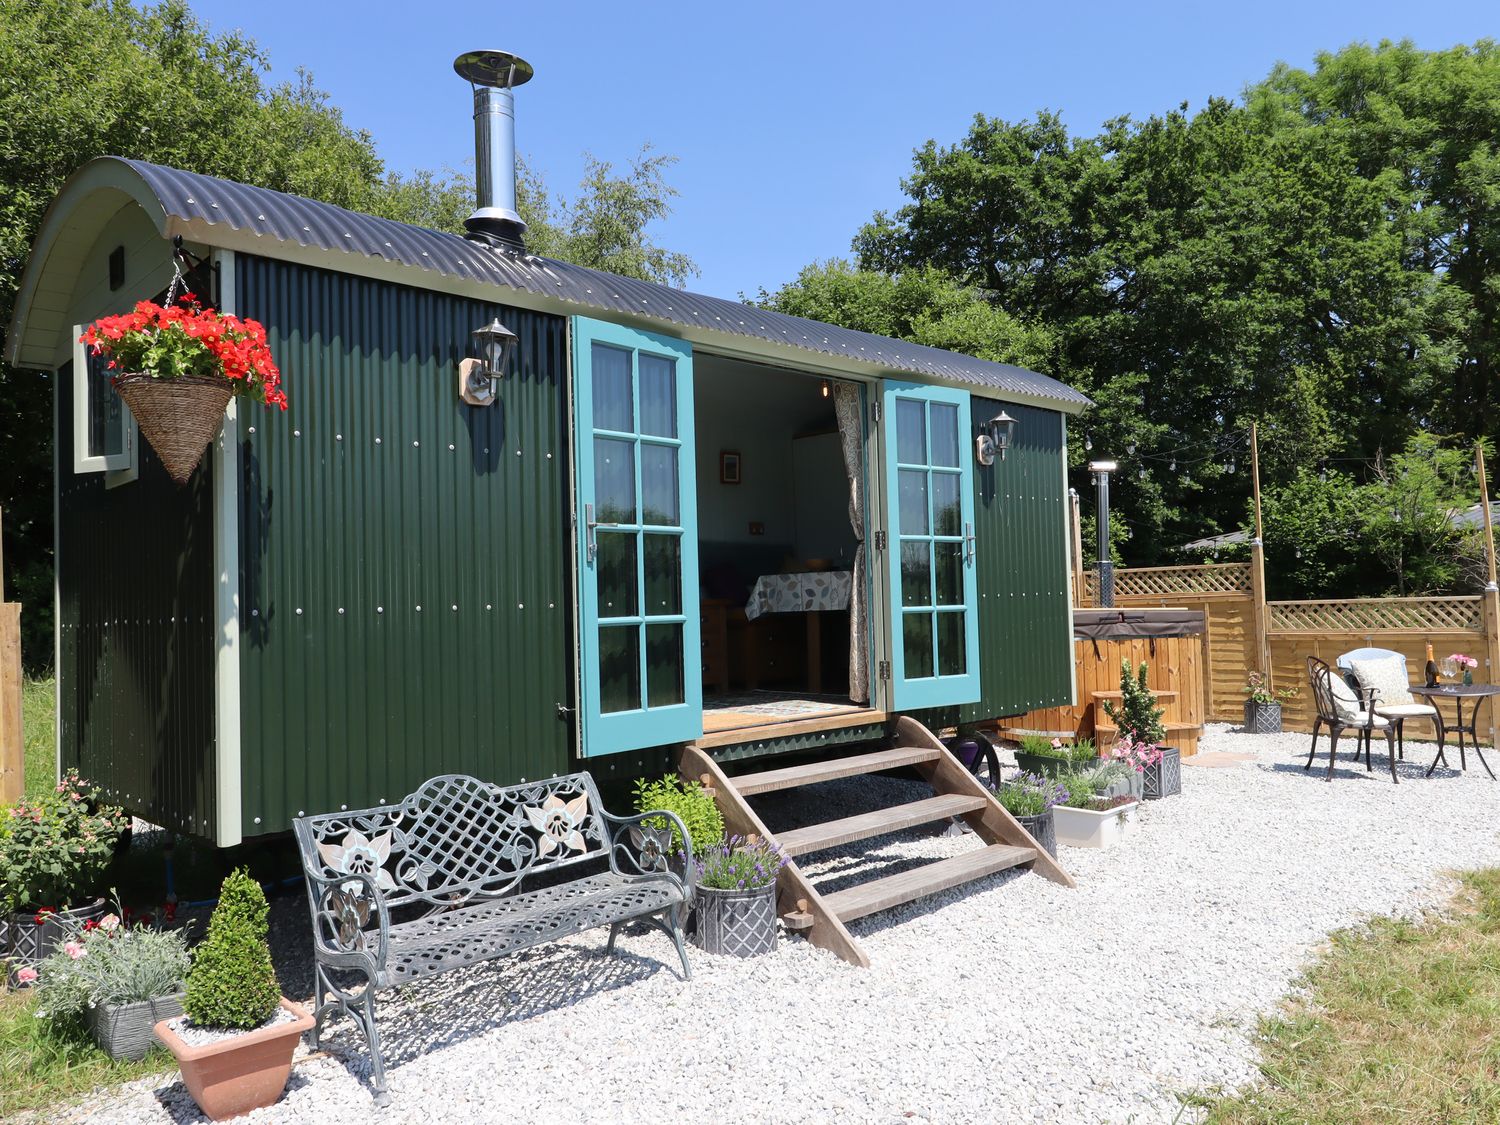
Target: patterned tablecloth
[(799, 593)]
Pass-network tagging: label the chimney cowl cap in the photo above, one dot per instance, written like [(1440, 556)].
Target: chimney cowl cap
[(499, 69)]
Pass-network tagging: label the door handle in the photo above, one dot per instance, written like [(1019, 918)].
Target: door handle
[(969, 540), (590, 523)]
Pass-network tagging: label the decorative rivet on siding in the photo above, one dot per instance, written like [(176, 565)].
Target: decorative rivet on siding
[(488, 606), (415, 444), (343, 808), (380, 609), (518, 453), (455, 609), (486, 449), (338, 437), (377, 441), (301, 813), (520, 605), (551, 606), (252, 429), (296, 433), (299, 611), (341, 611), (255, 613), (549, 456), (419, 609), (257, 820)]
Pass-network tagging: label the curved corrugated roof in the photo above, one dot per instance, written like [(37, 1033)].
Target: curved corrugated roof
[(274, 215)]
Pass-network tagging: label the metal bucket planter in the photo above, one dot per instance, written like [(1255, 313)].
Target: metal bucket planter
[(736, 923), (179, 417), (1262, 718), (30, 942), (1043, 830), (128, 1031), (1165, 778)]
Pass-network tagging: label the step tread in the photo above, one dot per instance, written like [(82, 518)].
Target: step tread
[(830, 834), (893, 890), (749, 784)]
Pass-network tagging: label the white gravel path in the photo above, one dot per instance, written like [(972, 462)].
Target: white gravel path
[(1008, 1000)]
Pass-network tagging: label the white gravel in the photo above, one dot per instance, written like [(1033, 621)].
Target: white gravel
[(1009, 1000)]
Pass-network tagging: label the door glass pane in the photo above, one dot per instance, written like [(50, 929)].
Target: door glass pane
[(947, 517), (951, 661), (612, 407), (658, 396), (944, 434), (950, 573), (659, 484), (916, 573), (913, 501), (663, 575), (615, 563), (664, 665), (614, 480), (911, 432), (620, 668), (916, 644)]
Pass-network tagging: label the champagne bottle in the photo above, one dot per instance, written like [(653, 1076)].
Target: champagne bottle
[(1432, 672)]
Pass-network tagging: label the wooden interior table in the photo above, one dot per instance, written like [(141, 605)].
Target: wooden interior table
[(807, 593), (1458, 693)]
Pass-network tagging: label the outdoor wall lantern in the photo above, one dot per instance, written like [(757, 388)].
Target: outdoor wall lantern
[(994, 438), (478, 379)]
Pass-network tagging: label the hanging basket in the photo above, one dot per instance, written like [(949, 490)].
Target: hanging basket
[(179, 417)]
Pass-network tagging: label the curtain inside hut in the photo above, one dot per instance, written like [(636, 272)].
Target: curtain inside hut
[(848, 402)]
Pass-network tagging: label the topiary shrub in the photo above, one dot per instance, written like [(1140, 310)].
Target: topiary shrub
[(705, 824), (232, 983)]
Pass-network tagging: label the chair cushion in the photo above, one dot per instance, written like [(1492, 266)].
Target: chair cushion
[(1407, 711), (1365, 719), (1387, 676), (1345, 702)]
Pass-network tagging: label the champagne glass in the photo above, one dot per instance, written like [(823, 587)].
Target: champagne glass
[(1448, 667)]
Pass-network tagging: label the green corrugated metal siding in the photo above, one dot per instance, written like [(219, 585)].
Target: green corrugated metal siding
[(1025, 619), (136, 656), (379, 492)]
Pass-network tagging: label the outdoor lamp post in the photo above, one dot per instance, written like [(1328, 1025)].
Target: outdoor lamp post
[(1101, 471), (994, 438), (478, 378)]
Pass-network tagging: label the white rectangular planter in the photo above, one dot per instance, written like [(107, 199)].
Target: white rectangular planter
[(1083, 828)]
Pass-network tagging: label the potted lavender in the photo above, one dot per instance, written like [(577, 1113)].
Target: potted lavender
[(736, 897), (1030, 798)]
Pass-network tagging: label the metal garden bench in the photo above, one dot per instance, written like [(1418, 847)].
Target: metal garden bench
[(434, 883)]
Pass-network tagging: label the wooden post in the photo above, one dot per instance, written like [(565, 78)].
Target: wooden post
[(1075, 552), (1491, 589), (12, 740), (1258, 565)]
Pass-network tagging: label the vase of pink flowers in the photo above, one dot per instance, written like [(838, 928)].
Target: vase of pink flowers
[(1459, 663)]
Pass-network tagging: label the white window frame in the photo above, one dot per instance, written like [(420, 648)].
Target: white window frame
[(119, 468)]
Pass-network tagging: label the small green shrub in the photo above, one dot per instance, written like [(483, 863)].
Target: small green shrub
[(232, 983), (1138, 717), (705, 824)]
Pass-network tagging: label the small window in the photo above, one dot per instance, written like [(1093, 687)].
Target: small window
[(104, 434)]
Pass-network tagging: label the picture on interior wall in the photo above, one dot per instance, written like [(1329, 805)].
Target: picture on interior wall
[(729, 466)]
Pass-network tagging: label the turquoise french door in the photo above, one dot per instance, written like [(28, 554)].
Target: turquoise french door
[(930, 520), (641, 663)]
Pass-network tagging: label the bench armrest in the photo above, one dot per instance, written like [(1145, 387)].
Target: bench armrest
[(646, 850), (339, 916)]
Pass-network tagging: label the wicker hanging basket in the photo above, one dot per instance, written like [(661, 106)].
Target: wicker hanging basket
[(179, 417)]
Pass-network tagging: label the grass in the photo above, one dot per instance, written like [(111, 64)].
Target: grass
[(39, 722), (46, 1065), (1396, 1022)]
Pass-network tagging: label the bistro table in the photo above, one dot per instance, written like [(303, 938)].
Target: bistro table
[(1458, 693)]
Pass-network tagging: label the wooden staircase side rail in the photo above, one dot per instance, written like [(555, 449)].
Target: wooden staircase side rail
[(993, 823), (792, 886)]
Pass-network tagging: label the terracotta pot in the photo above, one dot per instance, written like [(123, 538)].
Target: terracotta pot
[(243, 1072)]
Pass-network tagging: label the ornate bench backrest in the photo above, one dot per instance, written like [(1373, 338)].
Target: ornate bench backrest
[(458, 837)]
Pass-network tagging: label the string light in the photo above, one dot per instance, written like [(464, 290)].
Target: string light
[(1173, 466), (1130, 449), (1088, 445)]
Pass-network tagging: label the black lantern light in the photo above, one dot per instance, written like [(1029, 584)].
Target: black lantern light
[(994, 439), (494, 343)]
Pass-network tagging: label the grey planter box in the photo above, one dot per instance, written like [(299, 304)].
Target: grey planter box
[(736, 923), (127, 1031), (1043, 829), (1262, 718), (27, 943), (1165, 778)]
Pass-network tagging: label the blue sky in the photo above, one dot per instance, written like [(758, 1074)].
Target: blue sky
[(793, 122)]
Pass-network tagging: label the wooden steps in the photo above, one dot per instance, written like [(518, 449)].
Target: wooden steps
[(768, 781), (1001, 842), (893, 890), (817, 837)]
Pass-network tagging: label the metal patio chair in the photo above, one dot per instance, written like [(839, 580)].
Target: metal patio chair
[(1396, 712), (1343, 708)]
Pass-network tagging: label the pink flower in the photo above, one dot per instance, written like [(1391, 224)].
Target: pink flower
[(1057, 744), (74, 949), (26, 976), (109, 923)]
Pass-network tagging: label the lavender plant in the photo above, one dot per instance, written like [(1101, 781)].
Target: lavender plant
[(739, 864), (1030, 794)]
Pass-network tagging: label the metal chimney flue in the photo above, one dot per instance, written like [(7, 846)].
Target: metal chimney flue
[(494, 75)]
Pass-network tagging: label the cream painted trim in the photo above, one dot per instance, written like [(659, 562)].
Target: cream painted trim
[(1067, 547), (118, 468), (228, 829), (57, 665)]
